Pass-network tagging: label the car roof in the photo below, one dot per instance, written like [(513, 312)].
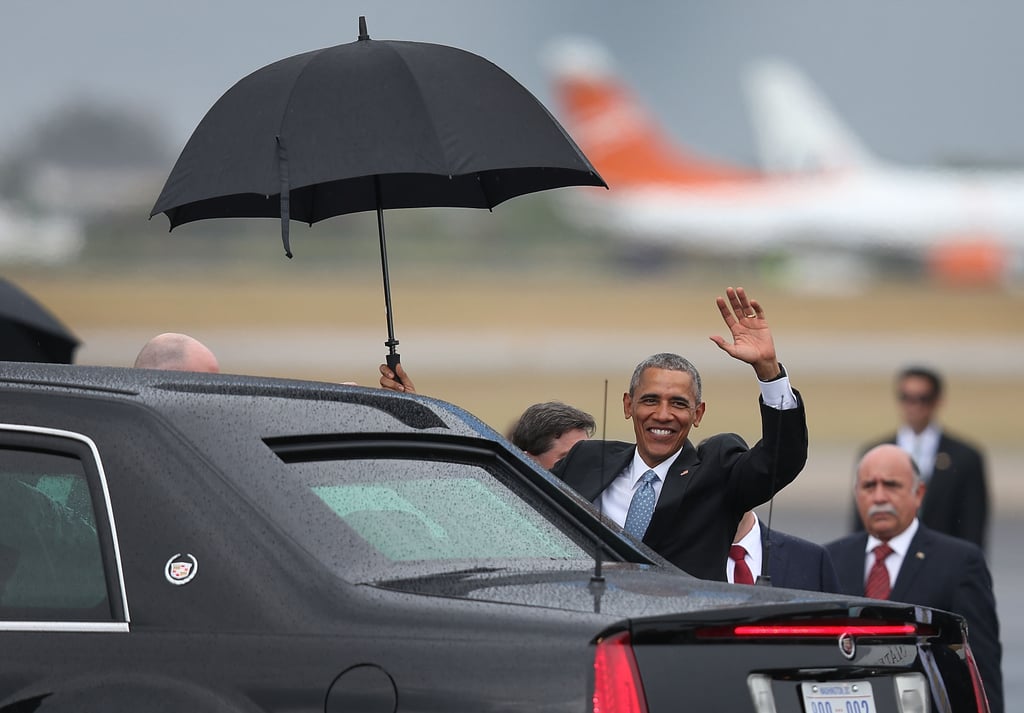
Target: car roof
[(360, 408)]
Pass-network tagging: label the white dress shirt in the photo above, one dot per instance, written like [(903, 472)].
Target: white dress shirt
[(922, 447), (900, 546)]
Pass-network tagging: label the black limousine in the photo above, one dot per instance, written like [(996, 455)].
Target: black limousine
[(211, 543)]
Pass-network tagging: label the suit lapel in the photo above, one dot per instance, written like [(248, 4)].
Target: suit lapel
[(914, 563), (593, 479), (677, 479)]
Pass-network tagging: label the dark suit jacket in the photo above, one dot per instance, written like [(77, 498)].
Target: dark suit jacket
[(796, 563), (956, 501), (707, 488), (942, 572)]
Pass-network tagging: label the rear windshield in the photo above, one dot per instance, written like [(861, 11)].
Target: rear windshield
[(376, 519)]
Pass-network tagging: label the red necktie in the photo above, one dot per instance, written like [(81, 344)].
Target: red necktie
[(877, 586), (741, 573)]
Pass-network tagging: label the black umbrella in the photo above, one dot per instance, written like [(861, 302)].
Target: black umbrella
[(29, 332), (369, 125)]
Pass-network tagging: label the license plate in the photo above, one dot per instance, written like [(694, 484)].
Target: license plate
[(838, 697)]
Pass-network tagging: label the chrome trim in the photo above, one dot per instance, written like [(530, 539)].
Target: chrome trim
[(912, 693), (43, 430), (110, 627), (760, 686)]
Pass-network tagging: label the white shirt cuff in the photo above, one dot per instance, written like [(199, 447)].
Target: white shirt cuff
[(778, 393)]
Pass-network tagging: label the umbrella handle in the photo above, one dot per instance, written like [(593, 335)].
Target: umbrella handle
[(392, 360)]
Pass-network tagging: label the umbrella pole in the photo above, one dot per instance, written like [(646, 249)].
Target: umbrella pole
[(392, 357)]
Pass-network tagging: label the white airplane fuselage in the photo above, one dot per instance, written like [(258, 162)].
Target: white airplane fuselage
[(890, 208)]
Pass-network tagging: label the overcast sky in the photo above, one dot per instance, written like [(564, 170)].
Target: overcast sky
[(918, 80)]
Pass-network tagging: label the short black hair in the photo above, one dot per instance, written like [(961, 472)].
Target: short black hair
[(922, 372), (671, 362), (540, 424)]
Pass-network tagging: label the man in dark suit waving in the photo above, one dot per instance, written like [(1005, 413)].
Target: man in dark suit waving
[(685, 502), (899, 558)]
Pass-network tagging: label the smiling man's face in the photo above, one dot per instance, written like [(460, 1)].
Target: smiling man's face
[(663, 408)]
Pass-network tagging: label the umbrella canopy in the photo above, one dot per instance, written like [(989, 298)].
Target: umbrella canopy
[(29, 332), (370, 125)]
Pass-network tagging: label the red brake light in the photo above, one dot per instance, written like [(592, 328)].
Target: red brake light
[(617, 686), (824, 630), (815, 629)]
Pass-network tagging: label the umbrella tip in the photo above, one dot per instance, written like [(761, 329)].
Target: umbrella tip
[(363, 35)]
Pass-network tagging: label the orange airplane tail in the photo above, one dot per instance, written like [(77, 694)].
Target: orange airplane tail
[(622, 141)]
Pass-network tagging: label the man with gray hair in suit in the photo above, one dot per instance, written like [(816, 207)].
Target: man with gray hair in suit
[(897, 557)]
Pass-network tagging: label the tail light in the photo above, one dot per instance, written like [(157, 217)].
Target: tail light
[(617, 686), (980, 697), (830, 630), (815, 629)]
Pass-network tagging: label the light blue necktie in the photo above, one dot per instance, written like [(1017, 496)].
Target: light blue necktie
[(641, 507)]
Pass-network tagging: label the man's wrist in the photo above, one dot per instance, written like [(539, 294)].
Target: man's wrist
[(771, 372)]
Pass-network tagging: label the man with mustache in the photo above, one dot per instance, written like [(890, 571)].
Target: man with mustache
[(898, 558)]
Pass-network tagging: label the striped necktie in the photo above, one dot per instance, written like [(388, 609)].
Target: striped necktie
[(877, 586)]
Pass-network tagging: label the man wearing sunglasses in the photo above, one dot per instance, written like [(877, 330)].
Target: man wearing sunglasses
[(953, 470)]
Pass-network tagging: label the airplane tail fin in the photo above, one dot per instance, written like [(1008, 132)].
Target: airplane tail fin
[(796, 130), (620, 138)]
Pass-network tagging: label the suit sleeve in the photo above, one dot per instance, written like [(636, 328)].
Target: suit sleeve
[(829, 578), (973, 496), (758, 473)]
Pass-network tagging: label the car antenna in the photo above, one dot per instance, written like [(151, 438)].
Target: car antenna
[(764, 579), (597, 584)]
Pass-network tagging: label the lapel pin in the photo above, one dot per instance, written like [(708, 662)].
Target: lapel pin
[(920, 555), (685, 472)]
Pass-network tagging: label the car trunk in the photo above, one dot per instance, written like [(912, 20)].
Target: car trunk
[(863, 660)]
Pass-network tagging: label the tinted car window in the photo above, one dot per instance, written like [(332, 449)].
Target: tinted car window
[(390, 512), (50, 557)]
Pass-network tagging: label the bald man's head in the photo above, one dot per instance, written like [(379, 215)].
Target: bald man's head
[(176, 352)]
